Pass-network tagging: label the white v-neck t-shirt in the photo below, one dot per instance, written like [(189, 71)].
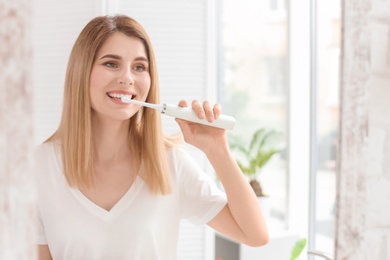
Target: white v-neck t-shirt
[(140, 226)]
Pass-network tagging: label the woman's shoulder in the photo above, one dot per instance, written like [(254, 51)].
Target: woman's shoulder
[(182, 161), (177, 153), (46, 149), (46, 161)]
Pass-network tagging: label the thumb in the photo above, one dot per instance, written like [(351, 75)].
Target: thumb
[(185, 127)]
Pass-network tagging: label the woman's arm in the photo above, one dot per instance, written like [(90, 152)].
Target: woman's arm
[(44, 253), (242, 218)]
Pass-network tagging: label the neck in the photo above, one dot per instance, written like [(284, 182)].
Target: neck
[(111, 141)]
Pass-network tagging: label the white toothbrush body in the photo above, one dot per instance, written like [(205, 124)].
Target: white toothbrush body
[(185, 113)]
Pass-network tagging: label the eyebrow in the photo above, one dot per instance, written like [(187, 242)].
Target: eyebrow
[(117, 57)]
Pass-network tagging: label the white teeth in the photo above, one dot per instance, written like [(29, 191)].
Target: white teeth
[(117, 95)]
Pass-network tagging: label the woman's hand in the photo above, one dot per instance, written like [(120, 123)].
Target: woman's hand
[(242, 218), (205, 138)]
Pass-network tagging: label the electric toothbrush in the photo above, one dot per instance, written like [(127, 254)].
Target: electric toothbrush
[(185, 113)]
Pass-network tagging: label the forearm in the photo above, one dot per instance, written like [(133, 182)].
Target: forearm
[(242, 202), (44, 253)]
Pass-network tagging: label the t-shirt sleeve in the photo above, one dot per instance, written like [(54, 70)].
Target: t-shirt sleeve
[(200, 198), (39, 157), (40, 237)]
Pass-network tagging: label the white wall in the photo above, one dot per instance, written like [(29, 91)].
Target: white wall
[(56, 26)]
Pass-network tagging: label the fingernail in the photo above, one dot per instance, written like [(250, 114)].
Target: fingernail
[(201, 115)]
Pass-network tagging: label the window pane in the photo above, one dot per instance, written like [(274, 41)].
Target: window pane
[(328, 51), (253, 83)]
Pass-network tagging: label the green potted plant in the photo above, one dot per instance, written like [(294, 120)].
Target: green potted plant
[(251, 157)]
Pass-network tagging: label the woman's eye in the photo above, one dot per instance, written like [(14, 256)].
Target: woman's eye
[(111, 64), (139, 68)]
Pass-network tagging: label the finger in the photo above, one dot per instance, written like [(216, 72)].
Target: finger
[(180, 122), (208, 111), (198, 109), (183, 103), (217, 111)]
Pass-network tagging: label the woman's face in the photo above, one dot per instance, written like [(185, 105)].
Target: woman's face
[(121, 69)]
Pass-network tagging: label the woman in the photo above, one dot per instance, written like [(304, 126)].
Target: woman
[(110, 184)]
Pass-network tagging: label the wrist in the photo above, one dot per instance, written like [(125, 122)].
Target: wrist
[(218, 153)]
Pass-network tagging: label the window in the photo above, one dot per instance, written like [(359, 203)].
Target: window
[(327, 118), (275, 78), (271, 76), (254, 80), (275, 5)]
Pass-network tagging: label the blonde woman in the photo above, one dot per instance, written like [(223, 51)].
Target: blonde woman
[(110, 184)]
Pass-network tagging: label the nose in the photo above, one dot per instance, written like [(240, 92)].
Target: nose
[(126, 78)]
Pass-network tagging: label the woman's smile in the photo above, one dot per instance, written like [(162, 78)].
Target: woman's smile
[(116, 96)]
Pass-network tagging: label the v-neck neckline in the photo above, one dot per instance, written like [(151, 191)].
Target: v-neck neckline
[(115, 211)]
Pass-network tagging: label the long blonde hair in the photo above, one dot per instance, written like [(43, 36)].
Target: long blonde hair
[(75, 131)]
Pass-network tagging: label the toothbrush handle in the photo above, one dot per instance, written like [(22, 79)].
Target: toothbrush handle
[(185, 113)]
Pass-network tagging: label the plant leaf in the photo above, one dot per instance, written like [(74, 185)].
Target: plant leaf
[(263, 158), (255, 139), (256, 154), (298, 248)]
